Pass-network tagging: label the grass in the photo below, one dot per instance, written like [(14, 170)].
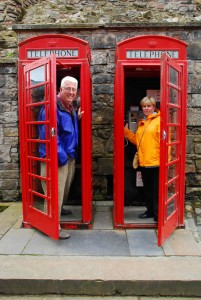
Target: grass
[(3, 207)]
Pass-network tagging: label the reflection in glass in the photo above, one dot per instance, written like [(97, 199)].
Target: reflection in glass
[(37, 75), (45, 172), (174, 76), (33, 131), (173, 136), (34, 113), (33, 149), (39, 181), (171, 172), (171, 207), (173, 115), (172, 154), (174, 96), (38, 202), (171, 189), (37, 94)]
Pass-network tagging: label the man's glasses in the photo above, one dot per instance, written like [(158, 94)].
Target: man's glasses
[(69, 89)]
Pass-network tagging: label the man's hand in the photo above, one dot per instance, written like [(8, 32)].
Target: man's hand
[(80, 113)]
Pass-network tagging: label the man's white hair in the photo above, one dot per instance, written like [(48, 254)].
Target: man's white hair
[(69, 78)]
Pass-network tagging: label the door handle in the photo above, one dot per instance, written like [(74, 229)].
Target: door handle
[(164, 135), (53, 131)]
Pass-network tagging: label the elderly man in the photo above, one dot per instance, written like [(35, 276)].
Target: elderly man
[(67, 141)]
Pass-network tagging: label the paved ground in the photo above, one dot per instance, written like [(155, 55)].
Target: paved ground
[(51, 297), (100, 261)]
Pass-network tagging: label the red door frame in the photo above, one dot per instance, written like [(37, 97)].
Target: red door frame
[(168, 223), (81, 60), (47, 222), (161, 43)]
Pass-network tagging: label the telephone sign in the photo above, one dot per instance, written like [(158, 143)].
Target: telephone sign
[(151, 53), (61, 53)]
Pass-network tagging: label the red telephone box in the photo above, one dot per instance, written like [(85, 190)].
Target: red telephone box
[(43, 61), (156, 66)]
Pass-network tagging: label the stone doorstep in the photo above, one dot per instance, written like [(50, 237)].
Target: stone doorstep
[(36, 275)]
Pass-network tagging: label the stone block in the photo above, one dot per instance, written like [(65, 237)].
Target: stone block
[(194, 83), (104, 89), (194, 51), (198, 148), (104, 41), (99, 58), (189, 144), (194, 116), (105, 166)]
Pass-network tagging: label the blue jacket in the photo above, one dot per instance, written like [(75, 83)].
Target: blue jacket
[(67, 134)]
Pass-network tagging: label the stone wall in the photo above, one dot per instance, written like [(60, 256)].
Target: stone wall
[(103, 24), (9, 151)]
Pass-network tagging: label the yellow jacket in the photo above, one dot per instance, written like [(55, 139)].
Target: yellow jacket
[(149, 149)]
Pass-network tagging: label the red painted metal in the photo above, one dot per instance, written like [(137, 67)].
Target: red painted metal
[(46, 222), (161, 43), (151, 42), (31, 216), (169, 221)]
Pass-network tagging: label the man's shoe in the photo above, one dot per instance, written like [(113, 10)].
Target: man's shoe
[(63, 235), (65, 212), (146, 215)]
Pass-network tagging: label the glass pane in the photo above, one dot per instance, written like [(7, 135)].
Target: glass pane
[(37, 94), (174, 96), (38, 202), (171, 172), (33, 149), (35, 113), (173, 115), (172, 154), (39, 182), (173, 134), (37, 75), (171, 189), (174, 76), (171, 207)]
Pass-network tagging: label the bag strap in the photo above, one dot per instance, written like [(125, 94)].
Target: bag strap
[(143, 134)]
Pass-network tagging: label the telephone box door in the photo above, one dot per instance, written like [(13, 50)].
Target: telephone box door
[(38, 152), (172, 147)]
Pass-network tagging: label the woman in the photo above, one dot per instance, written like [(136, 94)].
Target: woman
[(147, 141)]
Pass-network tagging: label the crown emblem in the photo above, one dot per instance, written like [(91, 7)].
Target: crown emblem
[(152, 43), (52, 43)]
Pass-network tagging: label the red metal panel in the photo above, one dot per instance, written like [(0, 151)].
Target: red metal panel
[(41, 207), (54, 42), (169, 218), (119, 146), (151, 42), (86, 142)]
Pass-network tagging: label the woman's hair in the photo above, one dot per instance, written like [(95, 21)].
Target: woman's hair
[(147, 100)]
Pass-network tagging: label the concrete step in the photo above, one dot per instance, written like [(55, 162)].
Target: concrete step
[(68, 275)]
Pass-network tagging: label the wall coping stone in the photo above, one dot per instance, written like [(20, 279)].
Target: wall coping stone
[(50, 26), (7, 60)]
